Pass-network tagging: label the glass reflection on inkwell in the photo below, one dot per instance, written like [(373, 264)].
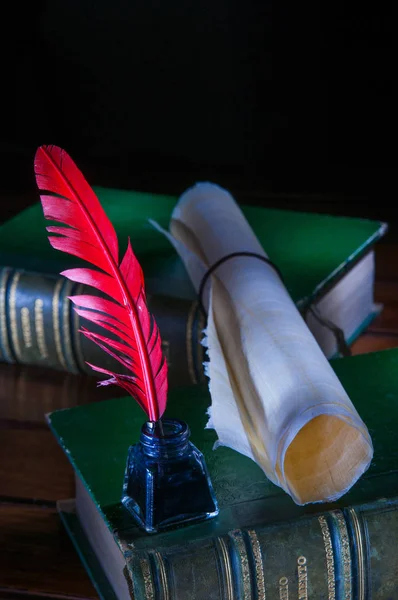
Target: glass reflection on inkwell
[(166, 480)]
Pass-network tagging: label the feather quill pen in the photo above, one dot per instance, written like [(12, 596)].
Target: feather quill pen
[(87, 233)]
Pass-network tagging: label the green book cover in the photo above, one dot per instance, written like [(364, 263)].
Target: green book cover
[(255, 515), (96, 438), (312, 251)]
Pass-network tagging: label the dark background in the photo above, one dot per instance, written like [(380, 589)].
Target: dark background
[(289, 105)]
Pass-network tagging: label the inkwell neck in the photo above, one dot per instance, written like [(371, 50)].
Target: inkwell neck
[(167, 439)]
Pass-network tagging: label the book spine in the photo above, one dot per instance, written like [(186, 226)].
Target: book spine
[(38, 326), (343, 554)]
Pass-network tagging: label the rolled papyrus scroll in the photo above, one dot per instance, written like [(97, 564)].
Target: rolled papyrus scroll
[(274, 395)]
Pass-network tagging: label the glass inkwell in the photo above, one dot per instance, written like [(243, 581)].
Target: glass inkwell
[(166, 481)]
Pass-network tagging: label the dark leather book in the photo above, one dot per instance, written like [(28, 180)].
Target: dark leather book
[(39, 327), (261, 545), (327, 264)]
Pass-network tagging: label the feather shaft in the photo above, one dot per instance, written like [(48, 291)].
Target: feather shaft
[(90, 235)]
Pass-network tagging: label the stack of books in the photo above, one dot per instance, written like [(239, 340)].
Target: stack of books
[(327, 264), (261, 545)]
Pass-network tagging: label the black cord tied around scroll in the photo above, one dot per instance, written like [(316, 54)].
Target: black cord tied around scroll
[(338, 333), (222, 261)]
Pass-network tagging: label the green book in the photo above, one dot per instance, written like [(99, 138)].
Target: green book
[(261, 545), (311, 250), (327, 264)]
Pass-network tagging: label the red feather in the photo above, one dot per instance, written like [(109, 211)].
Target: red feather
[(90, 235)]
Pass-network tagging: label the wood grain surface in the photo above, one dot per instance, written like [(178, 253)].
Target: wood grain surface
[(37, 556), (37, 559)]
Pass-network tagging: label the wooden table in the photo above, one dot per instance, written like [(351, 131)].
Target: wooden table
[(37, 559)]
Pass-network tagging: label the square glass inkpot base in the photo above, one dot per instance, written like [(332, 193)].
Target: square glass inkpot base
[(166, 482)]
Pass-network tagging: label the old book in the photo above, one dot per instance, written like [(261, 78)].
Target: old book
[(38, 326), (262, 545), (327, 264)]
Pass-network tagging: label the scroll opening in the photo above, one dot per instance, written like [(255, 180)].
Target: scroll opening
[(325, 458)]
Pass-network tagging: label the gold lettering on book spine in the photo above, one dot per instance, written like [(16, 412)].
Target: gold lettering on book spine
[(26, 329), (258, 561), (283, 588), (244, 563), (76, 323), (66, 308), (56, 324), (225, 560), (39, 327), (360, 554), (302, 575), (3, 317), (148, 583), (345, 553), (327, 540), (162, 575), (13, 316)]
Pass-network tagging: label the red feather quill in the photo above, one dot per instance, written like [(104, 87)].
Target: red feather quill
[(66, 197)]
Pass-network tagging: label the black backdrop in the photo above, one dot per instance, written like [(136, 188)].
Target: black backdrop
[(260, 96)]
